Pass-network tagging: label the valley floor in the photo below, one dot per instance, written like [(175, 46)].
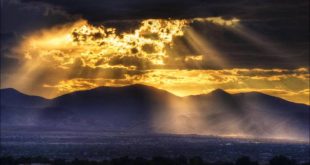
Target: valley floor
[(100, 146)]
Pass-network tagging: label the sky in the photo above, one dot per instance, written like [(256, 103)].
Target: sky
[(187, 47)]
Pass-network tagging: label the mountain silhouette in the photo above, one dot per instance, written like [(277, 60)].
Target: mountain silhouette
[(252, 114), (144, 109), (12, 97), (18, 109)]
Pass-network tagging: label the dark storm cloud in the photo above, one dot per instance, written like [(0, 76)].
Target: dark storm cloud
[(20, 17), (98, 10), (282, 46)]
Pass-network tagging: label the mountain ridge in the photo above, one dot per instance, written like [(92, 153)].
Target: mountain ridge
[(17, 98), (142, 109), (142, 86)]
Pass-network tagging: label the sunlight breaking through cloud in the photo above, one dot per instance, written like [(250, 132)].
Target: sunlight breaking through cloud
[(100, 46), (82, 56)]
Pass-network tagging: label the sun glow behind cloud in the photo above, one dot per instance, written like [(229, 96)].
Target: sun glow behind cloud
[(97, 46), (80, 56)]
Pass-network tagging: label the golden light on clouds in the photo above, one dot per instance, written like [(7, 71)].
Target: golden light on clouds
[(81, 56), (219, 21), (96, 46), (99, 46), (275, 82)]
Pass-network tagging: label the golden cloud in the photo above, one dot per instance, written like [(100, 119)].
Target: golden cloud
[(96, 46), (81, 56), (192, 82)]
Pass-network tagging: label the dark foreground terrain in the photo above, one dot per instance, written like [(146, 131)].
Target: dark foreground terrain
[(181, 160), (98, 147)]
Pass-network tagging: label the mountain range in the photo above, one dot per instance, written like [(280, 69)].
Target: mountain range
[(144, 109)]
